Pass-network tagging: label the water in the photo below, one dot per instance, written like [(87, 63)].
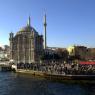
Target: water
[(18, 84)]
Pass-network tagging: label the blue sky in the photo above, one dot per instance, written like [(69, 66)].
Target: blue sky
[(69, 22)]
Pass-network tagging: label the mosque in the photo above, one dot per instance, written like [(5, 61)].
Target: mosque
[(27, 45)]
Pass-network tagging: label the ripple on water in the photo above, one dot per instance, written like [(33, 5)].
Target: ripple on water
[(14, 84)]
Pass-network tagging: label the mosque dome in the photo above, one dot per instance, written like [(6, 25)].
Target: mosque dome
[(26, 29)]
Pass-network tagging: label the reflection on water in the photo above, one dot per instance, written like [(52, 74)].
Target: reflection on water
[(14, 84)]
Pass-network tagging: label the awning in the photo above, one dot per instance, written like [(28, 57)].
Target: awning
[(87, 62)]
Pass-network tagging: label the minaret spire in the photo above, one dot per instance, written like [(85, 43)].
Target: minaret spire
[(45, 38), (29, 21)]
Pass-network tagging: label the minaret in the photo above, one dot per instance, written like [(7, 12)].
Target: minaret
[(18, 49), (11, 45), (45, 38), (29, 21)]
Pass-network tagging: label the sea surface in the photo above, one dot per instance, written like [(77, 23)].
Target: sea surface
[(20, 84)]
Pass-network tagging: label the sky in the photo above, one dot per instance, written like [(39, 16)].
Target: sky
[(69, 22)]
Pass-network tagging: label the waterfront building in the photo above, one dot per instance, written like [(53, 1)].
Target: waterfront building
[(79, 51), (4, 53), (54, 55), (91, 54), (27, 45)]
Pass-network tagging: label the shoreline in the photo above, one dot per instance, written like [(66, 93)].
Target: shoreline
[(58, 77)]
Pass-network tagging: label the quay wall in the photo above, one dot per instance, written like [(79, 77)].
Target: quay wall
[(58, 77), (5, 68)]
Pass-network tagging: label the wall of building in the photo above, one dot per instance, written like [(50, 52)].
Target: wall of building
[(26, 46)]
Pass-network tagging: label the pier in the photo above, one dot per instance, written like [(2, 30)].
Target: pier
[(4, 67), (56, 77), (58, 71)]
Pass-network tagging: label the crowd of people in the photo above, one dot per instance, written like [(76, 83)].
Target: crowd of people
[(57, 68)]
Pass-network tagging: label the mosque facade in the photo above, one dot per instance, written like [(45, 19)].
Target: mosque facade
[(27, 45)]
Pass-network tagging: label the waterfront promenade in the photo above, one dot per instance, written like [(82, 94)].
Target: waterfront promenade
[(59, 68), (5, 66), (58, 71), (56, 77)]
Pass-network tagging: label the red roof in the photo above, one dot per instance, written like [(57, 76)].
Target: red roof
[(88, 62)]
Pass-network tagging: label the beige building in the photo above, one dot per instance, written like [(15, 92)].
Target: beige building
[(27, 45), (80, 51), (91, 55)]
